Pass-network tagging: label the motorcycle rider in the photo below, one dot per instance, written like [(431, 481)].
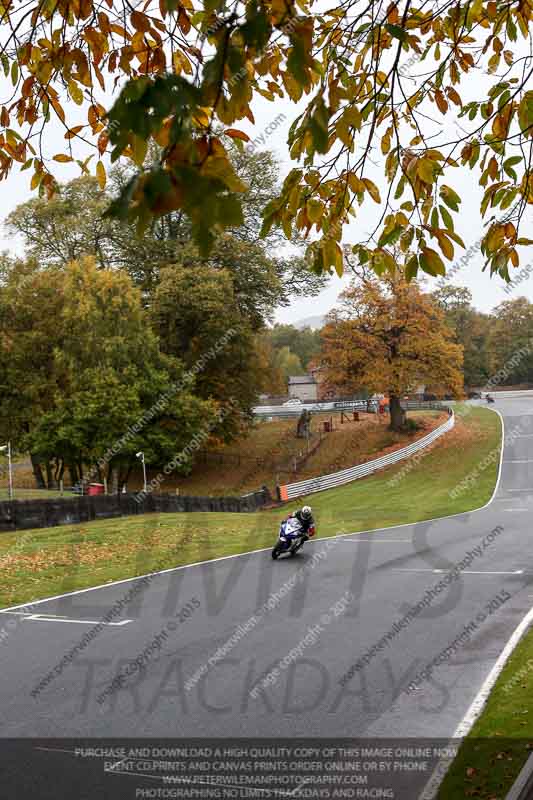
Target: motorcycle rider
[(305, 518)]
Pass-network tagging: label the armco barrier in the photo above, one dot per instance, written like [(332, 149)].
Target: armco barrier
[(523, 787), (47, 513), (292, 490)]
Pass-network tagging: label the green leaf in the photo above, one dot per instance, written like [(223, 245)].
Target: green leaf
[(431, 262), (446, 218), (396, 32), (450, 197), (411, 268), (230, 211), (508, 165), (318, 127), (390, 236)]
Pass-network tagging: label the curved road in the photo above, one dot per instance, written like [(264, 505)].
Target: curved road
[(340, 599)]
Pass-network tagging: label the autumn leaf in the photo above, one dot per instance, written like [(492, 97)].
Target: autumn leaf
[(101, 175), (236, 134), (431, 262), (72, 132), (441, 102), (372, 190)]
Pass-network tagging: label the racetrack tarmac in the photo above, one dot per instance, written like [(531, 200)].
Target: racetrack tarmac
[(292, 633)]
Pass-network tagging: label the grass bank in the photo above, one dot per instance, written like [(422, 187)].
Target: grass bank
[(41, 563), (501, 741)]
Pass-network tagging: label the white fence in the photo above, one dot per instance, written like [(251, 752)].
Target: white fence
[(292, 490)]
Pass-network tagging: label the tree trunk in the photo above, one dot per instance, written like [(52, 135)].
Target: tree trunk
[(124, 475), (49, 476), (74, 477), (113, 479), (397, 414), (37, 472)]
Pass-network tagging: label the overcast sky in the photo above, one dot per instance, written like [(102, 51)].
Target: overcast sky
[(487, 292)]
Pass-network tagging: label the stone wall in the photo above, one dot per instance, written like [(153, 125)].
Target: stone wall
[(47, 513)]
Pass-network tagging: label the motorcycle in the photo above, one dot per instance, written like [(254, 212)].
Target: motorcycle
[(489, 399), (291, 538)]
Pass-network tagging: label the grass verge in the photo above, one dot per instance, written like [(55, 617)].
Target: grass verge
[(41, 563), (501, 740)]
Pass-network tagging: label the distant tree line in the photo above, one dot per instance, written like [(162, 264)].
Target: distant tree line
[(287, 350), (490, 340)]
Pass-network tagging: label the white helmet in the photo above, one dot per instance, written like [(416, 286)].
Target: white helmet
[(306, 512)]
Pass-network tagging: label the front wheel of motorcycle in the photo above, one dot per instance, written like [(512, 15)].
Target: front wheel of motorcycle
[(276, 551)]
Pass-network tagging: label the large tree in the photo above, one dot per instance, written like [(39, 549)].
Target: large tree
[(71, 224), (387, 336), (198, 318), (79, 365), (377, 77)]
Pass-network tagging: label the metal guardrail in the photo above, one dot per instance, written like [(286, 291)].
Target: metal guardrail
[(319, 484), (339, 405), (315, 408), (522, 788)]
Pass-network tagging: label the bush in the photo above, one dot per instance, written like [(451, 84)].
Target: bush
[(412, 426)]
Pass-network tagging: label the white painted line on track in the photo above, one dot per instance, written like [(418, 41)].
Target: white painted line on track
[(42, 618), (55, 618), (519, 461), (463, 571), (508, 500), (481, 698), (380, 541)]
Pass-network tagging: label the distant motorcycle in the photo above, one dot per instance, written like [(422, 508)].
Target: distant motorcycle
[(291, 538), (489, 399)]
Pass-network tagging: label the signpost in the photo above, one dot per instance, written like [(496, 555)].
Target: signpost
[(7, 447)]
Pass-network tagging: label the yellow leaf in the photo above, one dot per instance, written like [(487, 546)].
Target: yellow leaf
[(75, 92), (425, 169), (475, 12), (101, 175), (139, 149), (314, 210), (72, 132), (62, 158), (446, 246), (431, 262), (372, 190)]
